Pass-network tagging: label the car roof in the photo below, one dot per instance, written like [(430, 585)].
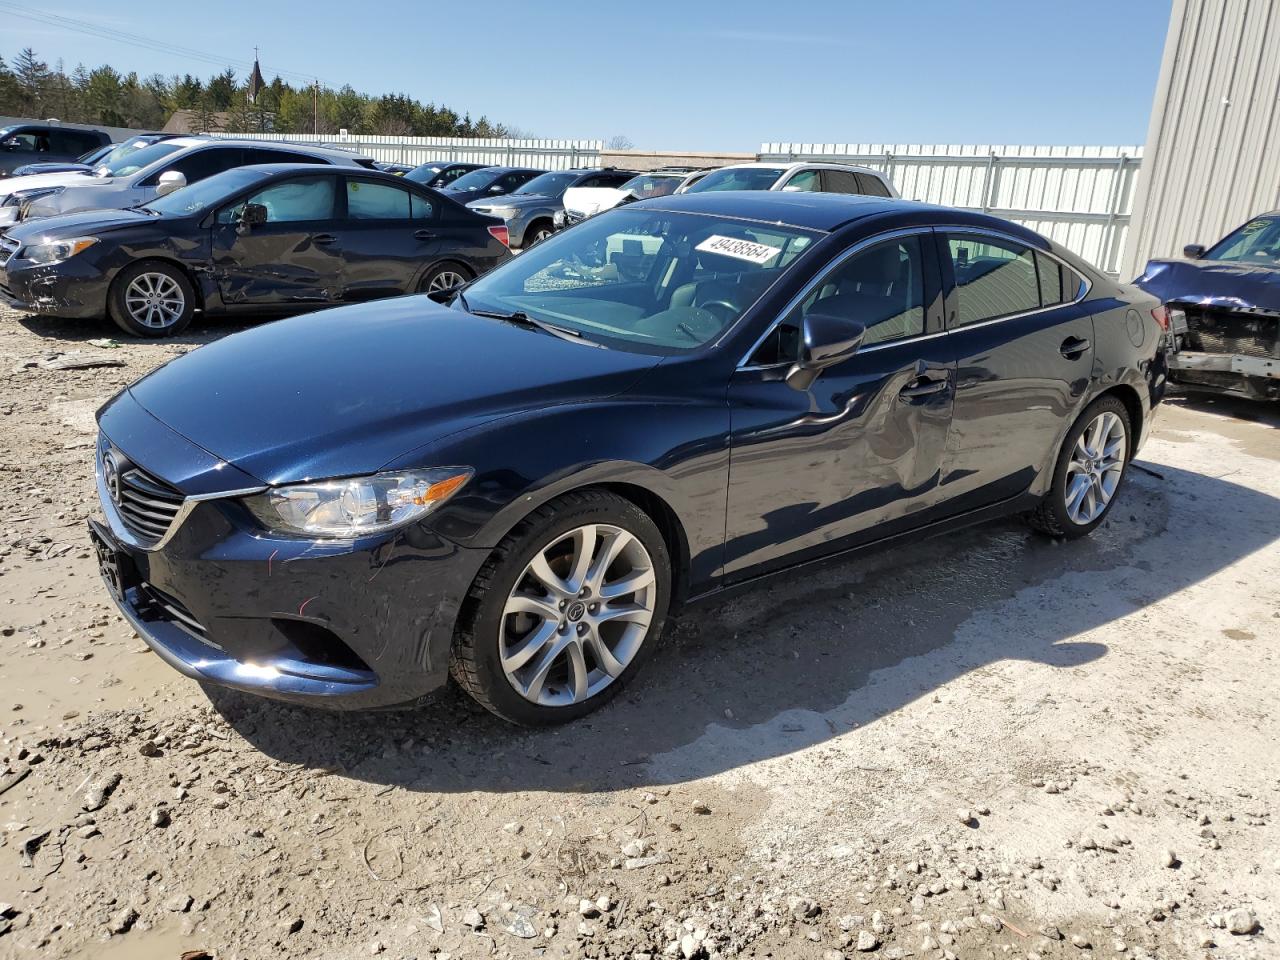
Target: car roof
[(315, 148), (789, 165), (363, 172), (827, 211)]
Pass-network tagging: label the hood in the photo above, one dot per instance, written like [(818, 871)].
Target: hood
[(591, 200), (345, 391), (37, 181), (67, 225), (1214, 283)]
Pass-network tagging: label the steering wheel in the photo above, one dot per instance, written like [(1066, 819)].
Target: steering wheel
[(723, 310)]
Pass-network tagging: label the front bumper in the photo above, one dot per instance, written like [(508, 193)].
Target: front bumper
[(76, 290), (1253, 377), (341, 624)]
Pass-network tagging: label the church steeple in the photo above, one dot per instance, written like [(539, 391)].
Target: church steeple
[(256, 83)]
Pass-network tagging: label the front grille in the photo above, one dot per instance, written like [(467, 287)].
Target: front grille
[(157, 605), (8, 248), (147, 505), (1240, 334)]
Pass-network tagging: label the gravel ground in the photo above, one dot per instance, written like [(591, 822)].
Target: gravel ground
[(987, 746)]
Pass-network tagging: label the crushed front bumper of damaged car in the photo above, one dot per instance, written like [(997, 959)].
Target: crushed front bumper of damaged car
[(1225, 351)]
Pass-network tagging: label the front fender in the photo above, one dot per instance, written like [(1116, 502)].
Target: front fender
[(675, 451)]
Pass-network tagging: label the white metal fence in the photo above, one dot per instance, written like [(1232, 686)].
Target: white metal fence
[(544, 154), (1082, 197)]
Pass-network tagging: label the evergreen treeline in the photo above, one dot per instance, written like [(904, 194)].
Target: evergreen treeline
[(29, 87)]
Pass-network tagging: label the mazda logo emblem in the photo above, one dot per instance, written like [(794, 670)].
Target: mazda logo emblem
[(111, 476)]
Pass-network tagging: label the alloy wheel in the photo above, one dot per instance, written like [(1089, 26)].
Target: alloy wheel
[(1095, 468), (578, 615), (154, 300), (540, 235), (445, 280)]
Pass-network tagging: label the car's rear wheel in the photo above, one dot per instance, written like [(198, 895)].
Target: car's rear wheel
[(152, 299), (442, 279), (1090, 470), (565, 611)]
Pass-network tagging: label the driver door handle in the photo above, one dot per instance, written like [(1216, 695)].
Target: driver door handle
[(423, 235), (1073, 348), (924, 387), (323, 238)]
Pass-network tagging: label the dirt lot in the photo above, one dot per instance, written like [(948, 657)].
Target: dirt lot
[(985, 746)]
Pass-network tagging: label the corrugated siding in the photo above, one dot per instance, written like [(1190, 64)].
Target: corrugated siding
[(1213, 147), (544, 154), (1080, 196)]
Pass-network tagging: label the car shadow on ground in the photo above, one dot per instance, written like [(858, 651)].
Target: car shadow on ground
[(806, 656), (76, 333), (1264, 412)]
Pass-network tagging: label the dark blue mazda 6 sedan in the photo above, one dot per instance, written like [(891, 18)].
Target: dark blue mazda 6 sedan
[(672, 399)]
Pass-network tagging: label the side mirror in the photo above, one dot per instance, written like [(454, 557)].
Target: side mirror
[(495, 189), (825, 340), (253, 215), (170, 181), (1194, 251)]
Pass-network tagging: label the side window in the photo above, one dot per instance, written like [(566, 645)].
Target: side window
[(881, 287), (1050, 274), (804, 180), (449, 176), (1072, 285), (614, 179), (376, 201), (26, 142), (994, 278), (871, 185), (205, 163), (281, 156), (840, 181), (294, 200), (71, 142), (420, 207), (513, 180)]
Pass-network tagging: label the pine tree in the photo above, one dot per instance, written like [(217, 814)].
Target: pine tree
[(32, 75)]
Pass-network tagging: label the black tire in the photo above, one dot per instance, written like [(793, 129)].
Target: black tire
[(119, 309), (1051, 517), (536, 232), (438, 271), (475, 662)]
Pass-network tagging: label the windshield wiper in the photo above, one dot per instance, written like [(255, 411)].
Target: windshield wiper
[(522, 319)]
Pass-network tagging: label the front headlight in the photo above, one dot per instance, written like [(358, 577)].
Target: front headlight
[(506, 213), (346, 509), (55, 251)]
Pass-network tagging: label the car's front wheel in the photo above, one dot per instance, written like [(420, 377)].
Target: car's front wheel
[(152, 299), (1090, 470), (565, 610), (441, 280)]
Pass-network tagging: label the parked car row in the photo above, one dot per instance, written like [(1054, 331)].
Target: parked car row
[(667, 401)]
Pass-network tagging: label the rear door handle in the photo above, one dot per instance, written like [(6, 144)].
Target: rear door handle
[(424, 235), (923, 387), (1073, 348), (323, 238)]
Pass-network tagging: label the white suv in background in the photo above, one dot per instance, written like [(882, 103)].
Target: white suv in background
[(807, 176)]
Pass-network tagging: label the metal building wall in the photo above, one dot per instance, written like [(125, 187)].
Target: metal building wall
[(1213, 147)]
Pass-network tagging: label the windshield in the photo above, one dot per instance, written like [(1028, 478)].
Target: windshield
[(424, 173), (134, 160), (475, 180), (647, 185), (738, 178), (1258, 241), (645, 281), (205, 193), (548, 184)]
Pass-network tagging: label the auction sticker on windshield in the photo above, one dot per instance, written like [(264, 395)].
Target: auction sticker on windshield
[(741, 249)]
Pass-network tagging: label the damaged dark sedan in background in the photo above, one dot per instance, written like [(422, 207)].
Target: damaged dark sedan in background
[(1224, 311)]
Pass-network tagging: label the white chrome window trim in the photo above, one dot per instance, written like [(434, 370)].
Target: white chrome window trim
[(908, 231), (809, 287)]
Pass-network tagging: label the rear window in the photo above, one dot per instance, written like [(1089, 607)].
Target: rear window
[(872, 185)]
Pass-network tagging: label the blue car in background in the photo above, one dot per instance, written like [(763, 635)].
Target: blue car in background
[(1224, 311)]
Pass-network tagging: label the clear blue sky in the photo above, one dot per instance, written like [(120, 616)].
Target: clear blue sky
[(682, 75)]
